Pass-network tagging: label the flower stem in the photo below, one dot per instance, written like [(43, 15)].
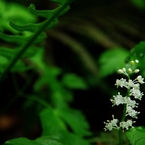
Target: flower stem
[(120, 129), (123, 118), (120, 136)]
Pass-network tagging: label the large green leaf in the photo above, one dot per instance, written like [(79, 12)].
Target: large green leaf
[(136, 136), (62, 139), (21, 141), (44, 140), (51, 123), (3, 60), (49, 140), (75, 120), (59, 119), (138, 52), (112, 60), (72, 139)]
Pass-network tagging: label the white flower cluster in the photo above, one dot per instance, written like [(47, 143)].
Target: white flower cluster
[(133, 90)]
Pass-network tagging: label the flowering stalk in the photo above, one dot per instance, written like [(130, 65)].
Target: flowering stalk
[(129, 101)]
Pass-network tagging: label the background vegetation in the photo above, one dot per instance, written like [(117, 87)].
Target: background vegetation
[(78, 69)]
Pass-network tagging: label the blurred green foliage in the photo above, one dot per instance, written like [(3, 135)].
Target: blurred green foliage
[(139, 3), (53, 89), (56, 116)]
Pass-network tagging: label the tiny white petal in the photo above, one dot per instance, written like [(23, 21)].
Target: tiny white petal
[(117, 100), (140, 79), (122, 83)]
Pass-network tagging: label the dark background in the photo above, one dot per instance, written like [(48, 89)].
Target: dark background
[(116, 23)]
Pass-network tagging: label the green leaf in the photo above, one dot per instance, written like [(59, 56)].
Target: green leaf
[(41, 13), (47, 140), (9, 53), (21, 141), (51, 123), (75, 120), (73, 81), (72, 139), (32, 27), (136, 136), (14, 10), (54, 124), (137, 52), (112, 60), (47, 13), (20, 66), (44, 140), (21, 39), (3, 60), (13, 38)]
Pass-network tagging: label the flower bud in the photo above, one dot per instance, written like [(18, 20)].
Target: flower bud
[(137, 61), (120, 71), (132, 62), (124, 69), (130, 70), (136, 70)]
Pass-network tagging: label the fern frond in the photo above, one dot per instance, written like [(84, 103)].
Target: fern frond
[(38, 34)]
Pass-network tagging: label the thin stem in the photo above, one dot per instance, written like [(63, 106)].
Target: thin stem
[(123, 116), (39, 100), (32, 39), (120, 136), (120, 129)]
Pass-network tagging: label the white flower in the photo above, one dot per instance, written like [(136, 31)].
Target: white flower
[(140, 79), (133, 89), (130, 84), (130, 102), (136, 93), (136, 86), (131, 112), (118, 99), (122, 82), (109, 125), (127, 124)]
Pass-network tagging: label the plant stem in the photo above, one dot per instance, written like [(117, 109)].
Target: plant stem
[(123, 118), (120, 129), (120, 136), (32, 39)]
